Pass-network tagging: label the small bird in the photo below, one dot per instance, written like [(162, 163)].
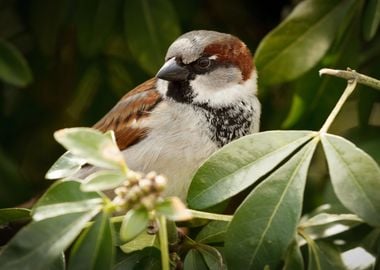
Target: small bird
[(203, 97)]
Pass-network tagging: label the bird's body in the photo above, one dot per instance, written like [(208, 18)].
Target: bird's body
[(203, 98)]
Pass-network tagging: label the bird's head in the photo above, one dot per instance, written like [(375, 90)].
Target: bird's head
[(207, 67)]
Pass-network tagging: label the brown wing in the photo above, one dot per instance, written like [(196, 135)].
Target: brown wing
[(124, 118)]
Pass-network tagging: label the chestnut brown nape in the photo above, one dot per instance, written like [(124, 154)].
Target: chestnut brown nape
[(233, 51)]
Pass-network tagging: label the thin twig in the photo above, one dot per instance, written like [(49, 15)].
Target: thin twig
[(351, 75)]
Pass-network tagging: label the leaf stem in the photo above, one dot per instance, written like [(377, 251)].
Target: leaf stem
[(211, 216), (351, 84), (163, 237)]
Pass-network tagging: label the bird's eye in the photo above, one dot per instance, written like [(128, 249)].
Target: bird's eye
[(203, 62)]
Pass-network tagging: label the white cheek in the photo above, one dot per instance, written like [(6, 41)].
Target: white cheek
[(162, 86), (223, 87)]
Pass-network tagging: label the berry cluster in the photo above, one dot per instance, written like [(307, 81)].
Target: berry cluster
[(140, 190)]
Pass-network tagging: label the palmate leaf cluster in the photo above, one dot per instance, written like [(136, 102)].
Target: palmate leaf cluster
[(267, 224), (303, 198)]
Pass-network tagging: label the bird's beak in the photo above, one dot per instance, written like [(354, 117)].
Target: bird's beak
[(171, 71)]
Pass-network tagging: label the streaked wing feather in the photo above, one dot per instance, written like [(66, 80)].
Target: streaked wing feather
[(125, 118)]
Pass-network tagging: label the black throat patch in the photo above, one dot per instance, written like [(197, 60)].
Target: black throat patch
[(180, 91), (228, 123)]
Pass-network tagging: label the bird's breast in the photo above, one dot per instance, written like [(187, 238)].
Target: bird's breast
[(177, 143)]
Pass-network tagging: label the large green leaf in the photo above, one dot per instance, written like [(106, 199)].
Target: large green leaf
[(239, 164), (371, 19), (94, 249), (95, 24), (65, 197), (97, 148), (298, 43), (39, 244), (355, 177), (13, 67), (266, 222), (150, 27)]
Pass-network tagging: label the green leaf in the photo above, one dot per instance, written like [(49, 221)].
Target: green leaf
[(134, 222), (355, 177), (300, 41), (95, 20), (240, 163), (94, 249), (64, 191), (129, 262), (13, 67), (142, 241), (293, 258), (323, 256), (174, 209), (314, 97), (59, 263), (325, 225), (136, 259), (150, 27), (58, 209), (149, 262), (97, 148), (65, 166), (102, 180), (41, 243), (64, 197), (194, 260), (266, 222), (371, 19), (211, 256), (13, 214), (213, 232)]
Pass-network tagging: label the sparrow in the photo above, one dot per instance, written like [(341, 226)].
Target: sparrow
[(202, 98)]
